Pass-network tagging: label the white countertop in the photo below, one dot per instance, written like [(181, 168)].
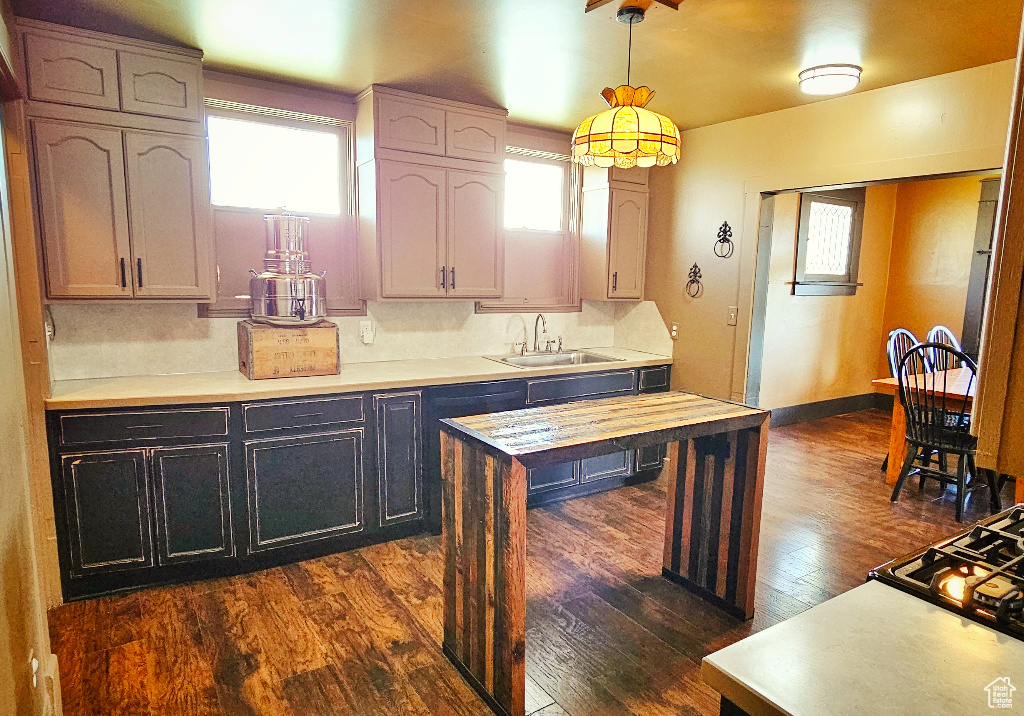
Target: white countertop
[(873, 650), (226, 386)]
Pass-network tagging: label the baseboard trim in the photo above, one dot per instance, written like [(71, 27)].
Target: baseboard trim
[(829, 408)]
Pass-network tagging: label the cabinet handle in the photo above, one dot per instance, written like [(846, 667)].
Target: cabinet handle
[(124, 275), (615, 281), (443, 284), (308, 415), (140, 272), (452, 282), (142, 427)]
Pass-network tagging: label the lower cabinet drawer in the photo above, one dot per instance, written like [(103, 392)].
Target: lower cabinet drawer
[(84, 428), (618, 464), (259, 417), (551, 477), (573, 387), (304, 488)]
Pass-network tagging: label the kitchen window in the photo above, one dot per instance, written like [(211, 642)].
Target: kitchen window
[(828, 242), (265, 165), (541, 242), (263, 159)]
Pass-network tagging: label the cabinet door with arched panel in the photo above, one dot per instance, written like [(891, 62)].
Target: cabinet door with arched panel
[(83, 209), (169, 208), (412, 230), (627, 243), (476, 235)]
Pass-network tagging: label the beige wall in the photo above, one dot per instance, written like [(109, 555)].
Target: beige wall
[(932, 248), (945, 124), (23, 628), (820, 347)]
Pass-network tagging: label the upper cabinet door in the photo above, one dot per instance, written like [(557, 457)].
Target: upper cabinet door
[(169, 200), (469, 136), (83, 210), (476, 235), (160, 86), (71, 72), (412, 230), (410, 126), (627, 244)]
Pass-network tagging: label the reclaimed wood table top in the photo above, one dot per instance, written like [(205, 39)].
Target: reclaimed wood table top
[(955, 383), (556, 433)]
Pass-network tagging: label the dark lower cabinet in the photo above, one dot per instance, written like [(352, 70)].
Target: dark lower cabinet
[(192, 502), (619, 464), (552, 477), (304, 488), (158, 495), (107, 500), (650, 457), (399, 462)]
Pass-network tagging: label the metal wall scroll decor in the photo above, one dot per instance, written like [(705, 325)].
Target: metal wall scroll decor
[(723, 247), (694, 288)]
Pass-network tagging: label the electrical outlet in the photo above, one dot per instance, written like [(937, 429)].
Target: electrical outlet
[(733, 311), (366, 331), (673, 330)]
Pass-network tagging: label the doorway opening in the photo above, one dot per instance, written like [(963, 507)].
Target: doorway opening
[(920, 257)]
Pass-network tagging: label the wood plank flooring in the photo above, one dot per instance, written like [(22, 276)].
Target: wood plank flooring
[(360, 632)]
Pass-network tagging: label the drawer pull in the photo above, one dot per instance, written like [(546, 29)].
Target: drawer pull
[(309, 415), (142, 427)]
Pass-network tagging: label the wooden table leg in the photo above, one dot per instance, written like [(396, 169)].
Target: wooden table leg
[(484, 539), (715, 486), (1018, 494), (897, 443)]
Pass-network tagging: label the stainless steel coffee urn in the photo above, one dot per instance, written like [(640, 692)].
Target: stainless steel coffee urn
[(287, 293)]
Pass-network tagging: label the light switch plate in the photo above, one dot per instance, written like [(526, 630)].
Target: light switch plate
[(733, 311)]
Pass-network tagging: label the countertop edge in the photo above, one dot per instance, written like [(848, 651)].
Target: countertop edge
[(295, 387)]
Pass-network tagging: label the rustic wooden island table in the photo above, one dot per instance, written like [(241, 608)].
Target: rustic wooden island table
[(715, 470)]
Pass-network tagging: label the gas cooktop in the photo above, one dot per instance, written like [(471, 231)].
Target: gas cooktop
[(978, 573)]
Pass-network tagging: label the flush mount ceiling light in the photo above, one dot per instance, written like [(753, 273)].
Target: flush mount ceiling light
[(829, 79), (626, 134)]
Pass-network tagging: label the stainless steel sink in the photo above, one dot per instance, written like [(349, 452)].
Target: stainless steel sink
[(543, 360)]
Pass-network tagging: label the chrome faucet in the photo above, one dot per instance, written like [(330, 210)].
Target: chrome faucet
[(541, 321)]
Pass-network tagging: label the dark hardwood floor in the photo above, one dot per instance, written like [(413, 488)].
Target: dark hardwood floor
[(359, 632)]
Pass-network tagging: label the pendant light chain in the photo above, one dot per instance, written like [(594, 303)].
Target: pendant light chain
[(629, 54)]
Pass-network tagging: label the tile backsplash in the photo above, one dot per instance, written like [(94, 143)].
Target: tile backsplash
[(107, 340)]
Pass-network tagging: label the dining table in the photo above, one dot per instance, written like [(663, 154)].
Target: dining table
[(957, 387)]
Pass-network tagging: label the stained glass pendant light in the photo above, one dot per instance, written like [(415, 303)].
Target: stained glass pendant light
[(626, 134)]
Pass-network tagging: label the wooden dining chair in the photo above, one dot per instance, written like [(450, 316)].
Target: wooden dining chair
[(900, 341), (941, 334), (937, 423)]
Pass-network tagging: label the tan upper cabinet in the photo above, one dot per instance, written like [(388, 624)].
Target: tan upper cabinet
[(169, 218), (410, 126), (166, 87), (89, 69), (83, 210), (476, 234), (613, 236), (431, 197), (473, 136), (627, 244), (71, 72), (440, 232), (413, 230), (121, 186)]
